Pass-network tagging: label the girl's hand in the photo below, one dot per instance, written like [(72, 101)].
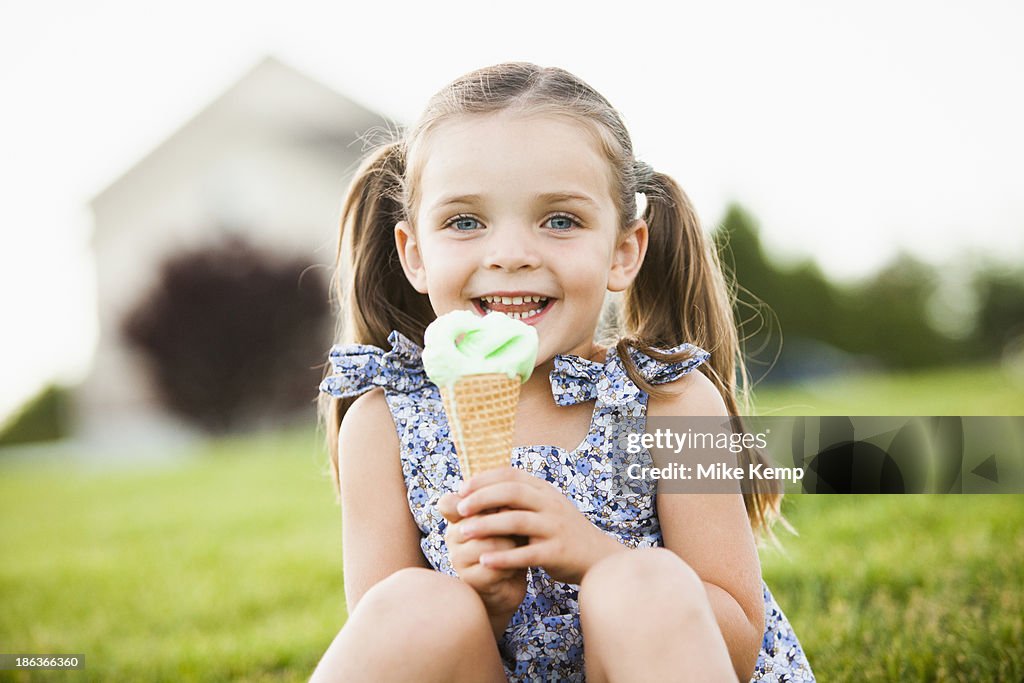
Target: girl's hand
[(501, 590), (560, 538)]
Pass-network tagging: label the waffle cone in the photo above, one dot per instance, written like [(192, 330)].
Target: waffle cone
[(481, 413)]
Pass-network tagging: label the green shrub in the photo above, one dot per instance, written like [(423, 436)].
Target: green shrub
[(44, 417)]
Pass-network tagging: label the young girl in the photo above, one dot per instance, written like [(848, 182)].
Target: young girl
[(517, 191)]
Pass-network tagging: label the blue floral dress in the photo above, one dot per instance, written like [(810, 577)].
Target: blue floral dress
[(544, 641)]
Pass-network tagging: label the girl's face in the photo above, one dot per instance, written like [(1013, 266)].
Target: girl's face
[(515, 214)]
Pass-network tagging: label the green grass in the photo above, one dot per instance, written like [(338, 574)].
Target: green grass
[(904, 588), (225, 564), (968, 390)]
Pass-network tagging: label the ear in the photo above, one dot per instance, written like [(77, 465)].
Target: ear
[(409, 254), (628, 256)]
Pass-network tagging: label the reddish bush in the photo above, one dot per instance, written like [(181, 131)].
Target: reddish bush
[(233, 334)]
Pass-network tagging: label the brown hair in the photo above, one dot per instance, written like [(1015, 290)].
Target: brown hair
[(679, 294)]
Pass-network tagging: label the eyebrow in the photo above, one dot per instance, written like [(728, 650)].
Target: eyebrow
[(544, 197)]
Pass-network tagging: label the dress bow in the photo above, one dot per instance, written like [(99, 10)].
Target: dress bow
[(358, 368), (577, 380)]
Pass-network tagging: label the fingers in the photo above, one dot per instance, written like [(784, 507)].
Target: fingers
[(446, 506), (494, 476), (535, 554), (465, 560), (465, 555), (512, 494), (505, 523), (483, 578)]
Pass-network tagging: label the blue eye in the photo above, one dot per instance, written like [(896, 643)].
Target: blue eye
[(463, 223), (563, 222)]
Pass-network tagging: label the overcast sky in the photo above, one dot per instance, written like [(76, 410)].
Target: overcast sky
[(847, 130)]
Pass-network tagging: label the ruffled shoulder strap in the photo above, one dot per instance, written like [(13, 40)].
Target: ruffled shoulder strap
[(575, 380), (662, 372), (357, 368)]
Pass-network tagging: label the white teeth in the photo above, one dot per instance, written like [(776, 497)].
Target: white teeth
[(514, 300), (520, 316)]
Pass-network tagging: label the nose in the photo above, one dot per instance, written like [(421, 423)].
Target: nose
[(510, 249)]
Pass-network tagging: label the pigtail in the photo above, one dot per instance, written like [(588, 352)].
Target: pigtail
[(681, 293), (368, 284)]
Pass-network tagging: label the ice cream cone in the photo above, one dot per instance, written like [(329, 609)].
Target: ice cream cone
[(481, 413), (479, 364)]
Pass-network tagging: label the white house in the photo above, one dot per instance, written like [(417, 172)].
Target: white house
[(272, 156)]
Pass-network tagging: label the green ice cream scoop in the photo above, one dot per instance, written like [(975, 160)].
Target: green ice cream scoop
[(462, 343)]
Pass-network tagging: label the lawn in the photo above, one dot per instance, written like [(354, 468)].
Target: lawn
[(904, 588), (225, 564), (963, 390)]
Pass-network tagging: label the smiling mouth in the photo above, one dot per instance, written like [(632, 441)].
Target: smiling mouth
[(520, 307)]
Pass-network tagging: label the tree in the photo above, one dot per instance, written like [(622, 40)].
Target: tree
[(233, 334), (1001, 314)]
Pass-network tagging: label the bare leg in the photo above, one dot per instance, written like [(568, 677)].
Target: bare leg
[(646, 617), (415, 625)]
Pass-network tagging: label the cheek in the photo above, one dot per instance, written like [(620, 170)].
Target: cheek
[(438, 254), (428, 246), (587, 267), (447, 267)]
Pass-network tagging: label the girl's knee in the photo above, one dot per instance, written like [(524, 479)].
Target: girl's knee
[(644, 579), (405, 584), (423, 602), (414, 623), (641, 569)]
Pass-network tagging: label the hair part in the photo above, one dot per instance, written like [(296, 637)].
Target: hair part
[(679, 294)]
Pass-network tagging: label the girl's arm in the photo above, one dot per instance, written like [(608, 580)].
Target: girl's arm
[(379, 535), (712, 534)]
